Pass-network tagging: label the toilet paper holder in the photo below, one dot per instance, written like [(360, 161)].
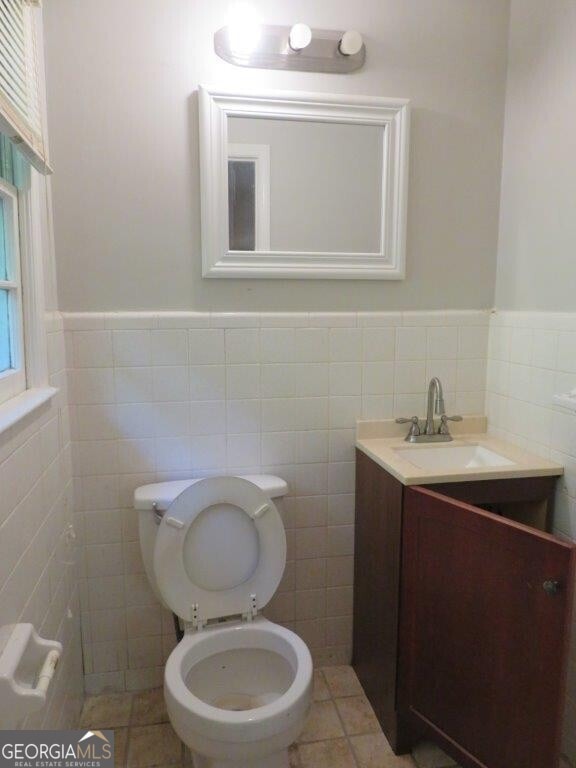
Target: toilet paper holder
[(27, 666)]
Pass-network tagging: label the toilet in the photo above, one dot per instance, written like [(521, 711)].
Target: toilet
[(237, 686)]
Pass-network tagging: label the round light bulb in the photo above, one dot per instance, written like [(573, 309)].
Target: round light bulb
[(243, 29), (300, 37), (350, 43)]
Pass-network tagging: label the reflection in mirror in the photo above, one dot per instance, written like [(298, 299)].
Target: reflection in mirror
[(242, 204), (304, 186), (248, 197)]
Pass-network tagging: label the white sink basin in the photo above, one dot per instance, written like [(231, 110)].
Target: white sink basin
[(447, 457)]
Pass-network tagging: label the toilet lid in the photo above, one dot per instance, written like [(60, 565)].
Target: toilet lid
[(220, 542)]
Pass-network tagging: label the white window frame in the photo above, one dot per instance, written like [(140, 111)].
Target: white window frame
[(13, 380), (31, 387), (259, 154)]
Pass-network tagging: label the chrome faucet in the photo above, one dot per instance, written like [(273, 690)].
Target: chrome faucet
[(435, 404), (427, 433)]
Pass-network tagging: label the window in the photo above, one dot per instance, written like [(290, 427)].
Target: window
[(24, 218), (12, 368)]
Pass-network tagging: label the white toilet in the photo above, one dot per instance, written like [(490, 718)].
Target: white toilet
[(237, 686)]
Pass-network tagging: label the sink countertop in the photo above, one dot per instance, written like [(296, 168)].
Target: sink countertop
[(380, 439)]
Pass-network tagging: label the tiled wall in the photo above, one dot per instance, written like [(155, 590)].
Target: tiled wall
[(38, 570), (165, 396), (532, 356)]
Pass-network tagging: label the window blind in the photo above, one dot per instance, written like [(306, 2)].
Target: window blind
[(20, 117)]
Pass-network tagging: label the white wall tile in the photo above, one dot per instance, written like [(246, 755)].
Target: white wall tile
[(169, 347), (206, 347), (379, 344), (567, 352), (311, 345), (410, 377), (92, 349), (243, 450), (345, 344), (277, 345), (521, 346), (310, 447), (377, 406), (91, 386), (207, 382), (208, 451), (378, 378), (133, 385), (345, 378), (135, 420), (171, 419), (242, 345), (471, 375), (170, 383), (311, 379), (472, 342), (344, 412), (242, 381), (544, 349), (442, 343), (186, 394), (173, 454), (410, 343), (96, 422), (243, 416), (278, 380), (132, 348), (208, 417)]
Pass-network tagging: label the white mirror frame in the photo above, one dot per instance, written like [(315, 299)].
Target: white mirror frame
[(393, 115)]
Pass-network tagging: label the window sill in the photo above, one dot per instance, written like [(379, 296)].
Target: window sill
[(17, 408)]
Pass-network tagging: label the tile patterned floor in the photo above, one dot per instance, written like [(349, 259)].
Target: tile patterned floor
[(341, 732)]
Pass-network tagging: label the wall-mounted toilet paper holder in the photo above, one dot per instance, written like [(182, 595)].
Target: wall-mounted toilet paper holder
[(27, 666)]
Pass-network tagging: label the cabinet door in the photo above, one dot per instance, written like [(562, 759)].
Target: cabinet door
[(485, 619)]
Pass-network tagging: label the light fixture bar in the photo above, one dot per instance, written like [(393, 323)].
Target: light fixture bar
[(273, 51)]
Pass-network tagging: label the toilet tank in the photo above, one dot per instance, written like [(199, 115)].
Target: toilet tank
[(153, 500)]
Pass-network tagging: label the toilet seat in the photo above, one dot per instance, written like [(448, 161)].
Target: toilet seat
[(220, 550)]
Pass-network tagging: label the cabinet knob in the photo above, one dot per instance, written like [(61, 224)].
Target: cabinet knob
[(551, 587)]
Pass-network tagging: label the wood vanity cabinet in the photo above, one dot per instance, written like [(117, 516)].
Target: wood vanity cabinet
[(461, 616)]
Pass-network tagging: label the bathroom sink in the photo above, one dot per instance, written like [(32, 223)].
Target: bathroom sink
[(446, 457)]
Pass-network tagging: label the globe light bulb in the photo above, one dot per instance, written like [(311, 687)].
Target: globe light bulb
[(300, 37), (243, 29), (351, 43)]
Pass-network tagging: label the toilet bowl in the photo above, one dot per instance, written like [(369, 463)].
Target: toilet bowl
[(237, 686)]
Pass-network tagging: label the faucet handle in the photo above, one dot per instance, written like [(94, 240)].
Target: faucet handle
[(444, 419), (414, 421)]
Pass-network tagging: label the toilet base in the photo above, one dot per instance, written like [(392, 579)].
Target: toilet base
[(277, 760)]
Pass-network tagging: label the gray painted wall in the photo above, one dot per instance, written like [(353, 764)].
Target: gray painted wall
[(122, 79), (537, 244)]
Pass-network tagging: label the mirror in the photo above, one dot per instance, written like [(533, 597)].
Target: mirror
[(306, 187)]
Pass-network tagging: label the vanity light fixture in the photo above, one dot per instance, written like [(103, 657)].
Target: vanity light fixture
[(247, 43), (300, 37)]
